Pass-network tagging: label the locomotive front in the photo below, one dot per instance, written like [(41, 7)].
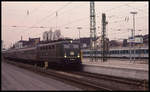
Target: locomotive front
[(72, 53)]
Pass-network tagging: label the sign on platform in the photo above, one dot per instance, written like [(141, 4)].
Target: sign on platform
[(136, 40)]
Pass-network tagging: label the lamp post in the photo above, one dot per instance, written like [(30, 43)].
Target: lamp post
[(133, 32), (79, 32)]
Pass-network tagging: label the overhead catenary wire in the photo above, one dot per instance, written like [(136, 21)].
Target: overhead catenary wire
[(30, 13), (60, 15), (53, 12), (74, 21), (49, 15)]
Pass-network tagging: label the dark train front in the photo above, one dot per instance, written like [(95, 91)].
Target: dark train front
[(61, 55), (72, 54)]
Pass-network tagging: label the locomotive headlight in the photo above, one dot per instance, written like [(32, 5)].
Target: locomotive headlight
[(78, 55), (65, 55)]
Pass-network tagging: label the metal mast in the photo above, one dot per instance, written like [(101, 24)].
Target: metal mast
[(133, 36), (92, 29), (104, 40)]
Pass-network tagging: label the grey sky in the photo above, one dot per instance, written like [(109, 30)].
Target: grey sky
[(72, 15)]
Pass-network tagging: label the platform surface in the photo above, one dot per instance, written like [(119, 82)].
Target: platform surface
[(14, 78), (119, 63), (118, 67)]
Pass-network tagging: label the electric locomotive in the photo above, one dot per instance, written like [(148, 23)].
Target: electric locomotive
[(60, 54)]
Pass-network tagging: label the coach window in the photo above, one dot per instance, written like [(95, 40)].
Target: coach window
[(137, 51), (123, 51), (110, 52), (144, 51), (147, 51), (52, 46), (117, 51), (49, 46), (132, 51), (126, 51)]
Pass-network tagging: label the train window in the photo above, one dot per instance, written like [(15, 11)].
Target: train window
[(132, 51), (117, 51), (147, 52), (66, 46), (144, 51), (84, 52), (49, 47), (113, 52), (137, 51), (126, 51), (75, 46), (53, 46), (123, 51), (110, 52)]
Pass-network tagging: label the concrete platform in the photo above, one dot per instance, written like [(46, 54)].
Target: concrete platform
[(118, 67), (14, 78)]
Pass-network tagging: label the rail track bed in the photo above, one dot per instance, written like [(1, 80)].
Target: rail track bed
[(88, 81)]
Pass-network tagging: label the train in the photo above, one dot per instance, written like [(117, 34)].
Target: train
[(123, 52), (60, 54)]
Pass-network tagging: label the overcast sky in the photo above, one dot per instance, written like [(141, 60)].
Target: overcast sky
[(25, 15)]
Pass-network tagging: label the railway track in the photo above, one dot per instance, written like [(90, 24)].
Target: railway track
[(125, 83), (87, 81)]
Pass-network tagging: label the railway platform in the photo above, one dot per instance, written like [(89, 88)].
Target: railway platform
[(118, 67), (15, 78)]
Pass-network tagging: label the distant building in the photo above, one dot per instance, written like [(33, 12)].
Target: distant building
[(20, 44), (140, 40), (23, 43), (34, 41), (114, 43), (50, 35), (84, 42), (45, 36), (146, 39)]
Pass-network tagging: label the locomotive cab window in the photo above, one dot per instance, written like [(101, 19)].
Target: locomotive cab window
[(66, 46), (75, 46)]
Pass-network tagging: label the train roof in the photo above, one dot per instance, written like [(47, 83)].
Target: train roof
[(21, 49), (119, 48), (59, 42)]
